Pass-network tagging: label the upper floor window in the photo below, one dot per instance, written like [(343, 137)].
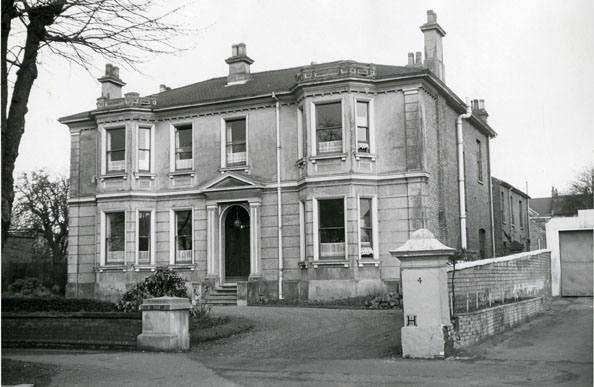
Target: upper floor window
[(184, 147), (144, 149), (236, 142), (329, 127), (331, 229), (363, 133), (115, 238), (511, 209), (116, 150), (521, 215), (503, 207), (479, 160)]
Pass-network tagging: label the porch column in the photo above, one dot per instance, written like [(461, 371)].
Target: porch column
[(255, 239), (211, 240)]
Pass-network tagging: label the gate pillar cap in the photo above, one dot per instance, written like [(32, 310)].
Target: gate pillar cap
[(422, 244)]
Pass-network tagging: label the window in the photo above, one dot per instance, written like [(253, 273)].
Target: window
[(236, 143), (479, 160), (513, 216), (482, 243), (183, 147), (502, 204), (144, 238), (183, 236), (331, 230), (366, 227), (363, 135), (300, 134), (144, 149), (116, 150), (520, 214), (115, 228), (329, 127)]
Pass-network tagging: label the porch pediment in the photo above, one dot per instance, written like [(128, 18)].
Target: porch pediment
[(230, 181)]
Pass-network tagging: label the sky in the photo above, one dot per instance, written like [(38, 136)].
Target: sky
[(532, 61)]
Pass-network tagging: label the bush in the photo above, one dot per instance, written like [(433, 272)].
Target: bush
[(55, 304), (32, 287), (164, 282)]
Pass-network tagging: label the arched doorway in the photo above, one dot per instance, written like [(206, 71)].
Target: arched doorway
[(237, 244)]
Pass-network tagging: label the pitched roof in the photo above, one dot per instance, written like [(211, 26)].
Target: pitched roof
[(261, 83), (544, 206)]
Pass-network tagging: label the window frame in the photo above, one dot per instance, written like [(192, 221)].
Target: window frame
[(520, 217), (173, 236), (103, 130), (511, 210), (224, 121), (301, 145), (479, 160), (503, 217), (316, 226), (173, 130), (374, 227), (313, 125), (370, 125), (151, 148), (103, 235), (153, 241)]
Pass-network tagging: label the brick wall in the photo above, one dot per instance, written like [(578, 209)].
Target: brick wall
[(478, 284), (74, 330), (472, 327)]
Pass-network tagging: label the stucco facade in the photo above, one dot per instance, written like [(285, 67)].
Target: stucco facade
[(347, 158)]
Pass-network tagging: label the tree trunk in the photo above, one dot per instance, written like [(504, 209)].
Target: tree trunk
[(14, 124)]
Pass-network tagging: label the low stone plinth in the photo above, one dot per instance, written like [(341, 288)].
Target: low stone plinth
[(165, 325)]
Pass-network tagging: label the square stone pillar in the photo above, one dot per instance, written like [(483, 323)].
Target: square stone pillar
[(165, 325), (425, 295)]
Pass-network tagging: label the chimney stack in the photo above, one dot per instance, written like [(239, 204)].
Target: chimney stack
[(433, 45), (239, 65), (478, 108), (111, 84), (411, 59)]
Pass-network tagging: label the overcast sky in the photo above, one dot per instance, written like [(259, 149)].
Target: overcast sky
[(532, 62)]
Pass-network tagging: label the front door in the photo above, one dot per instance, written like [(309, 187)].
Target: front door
[(237, 244)]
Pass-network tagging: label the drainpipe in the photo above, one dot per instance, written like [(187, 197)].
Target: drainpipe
[(491, 199), (461, 183), (278, 200)]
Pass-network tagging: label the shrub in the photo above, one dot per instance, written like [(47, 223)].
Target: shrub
[(164, 282), (55, 304), (32, 287)]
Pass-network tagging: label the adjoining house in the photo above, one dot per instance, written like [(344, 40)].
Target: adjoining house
[(511, 220), (298, 181)]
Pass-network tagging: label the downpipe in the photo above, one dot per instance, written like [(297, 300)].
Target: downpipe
[(461, 181), (278, 199)]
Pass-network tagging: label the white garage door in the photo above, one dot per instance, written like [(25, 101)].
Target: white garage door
[(576, 253)]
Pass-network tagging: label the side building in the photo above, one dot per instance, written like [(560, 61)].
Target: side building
[(511, 220), (299, 181)]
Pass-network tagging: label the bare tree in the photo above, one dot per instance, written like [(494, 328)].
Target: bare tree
[(119, 30), (579, 196), (42, 206)]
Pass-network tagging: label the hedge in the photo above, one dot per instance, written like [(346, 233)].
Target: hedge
[(55, 304)]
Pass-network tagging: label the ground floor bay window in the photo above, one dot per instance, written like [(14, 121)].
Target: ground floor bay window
[(144, 237), (115, 228), (331, 229)]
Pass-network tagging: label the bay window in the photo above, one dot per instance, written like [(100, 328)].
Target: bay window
[(183, 236), (366, 228), (116, 150), (144, 238), (115, 238), (331, 229), (184, 147), (144, 149), (363, 135), (329, 127)]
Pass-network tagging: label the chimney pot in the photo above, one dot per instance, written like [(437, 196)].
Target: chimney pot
[(411, 59), (241, 49), (481, 104), (431, 17), (234, 50), (419, 58), (163, 88)]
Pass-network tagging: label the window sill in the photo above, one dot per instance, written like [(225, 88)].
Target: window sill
[(342, 156), (480, 182), (329, 262), (368, 262), (181, 173), (121, 175), (138, 175), (302, 264), (101, 269), (300, 162), (359, 156), (183, 266), (244, 168), (144, 267)]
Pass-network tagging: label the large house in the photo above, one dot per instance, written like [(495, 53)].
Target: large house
[(299, 181)]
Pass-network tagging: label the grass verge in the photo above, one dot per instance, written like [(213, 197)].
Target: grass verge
[(22, 372)]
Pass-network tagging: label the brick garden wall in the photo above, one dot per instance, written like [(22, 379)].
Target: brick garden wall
[(479, 284), (475, 326), (81, 330)]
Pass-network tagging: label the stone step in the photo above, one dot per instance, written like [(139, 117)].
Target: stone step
[(220, 302)]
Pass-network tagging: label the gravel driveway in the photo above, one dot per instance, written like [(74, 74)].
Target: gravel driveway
[(309, 333)]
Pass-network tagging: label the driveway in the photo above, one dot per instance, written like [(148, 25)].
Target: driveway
[(309, 333)]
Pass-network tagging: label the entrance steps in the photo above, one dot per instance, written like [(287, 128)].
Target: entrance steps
[(225, 294)]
